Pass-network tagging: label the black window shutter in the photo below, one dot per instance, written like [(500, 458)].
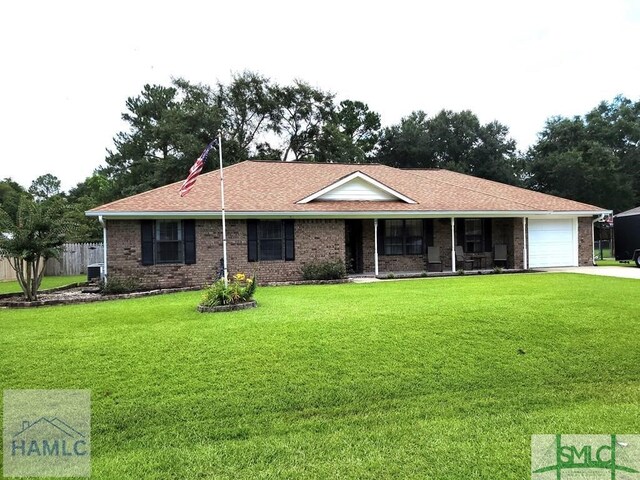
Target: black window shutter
[(289, 243), (460, 232), (486, 230), (381, 237), (189, 235), (427, 226), (146, 234), (252, 240)]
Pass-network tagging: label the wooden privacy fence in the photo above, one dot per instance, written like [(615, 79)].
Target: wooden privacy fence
[(6, 272), (74, 259)]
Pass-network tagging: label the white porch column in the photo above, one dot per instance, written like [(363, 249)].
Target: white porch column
[(104, 247), (375, 245), (525, 260), (453, 244)]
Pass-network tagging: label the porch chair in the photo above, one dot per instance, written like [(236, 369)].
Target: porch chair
[(461, 260), (433, 257), (500, 255)]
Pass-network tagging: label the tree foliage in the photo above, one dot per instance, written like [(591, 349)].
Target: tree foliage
[(10, 194), (36, 234), (45, 186), (594, 159), (170, 125), (452, 140)]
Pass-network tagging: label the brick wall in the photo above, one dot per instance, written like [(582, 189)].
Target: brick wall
[(518, 243), (315, 240), (585, 241)]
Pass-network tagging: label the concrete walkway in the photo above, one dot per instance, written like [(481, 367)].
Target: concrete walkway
[(621, 272)]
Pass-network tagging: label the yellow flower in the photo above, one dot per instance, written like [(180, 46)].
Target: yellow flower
[(240, 277)]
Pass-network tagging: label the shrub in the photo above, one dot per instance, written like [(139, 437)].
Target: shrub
[(324, 270), (391, 275), (497, 270), (460, 271), (117, 285), (239, 289)]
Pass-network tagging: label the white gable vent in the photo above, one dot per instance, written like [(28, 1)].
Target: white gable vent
[(357, 187)]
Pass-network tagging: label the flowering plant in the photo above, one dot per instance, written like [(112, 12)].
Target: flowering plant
[(240, 289)]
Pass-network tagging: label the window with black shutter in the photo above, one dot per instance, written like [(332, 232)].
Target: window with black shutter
[(168, 241), (270, 240)]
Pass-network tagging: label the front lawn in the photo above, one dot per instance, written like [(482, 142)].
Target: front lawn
[(11, 286), (428, 379)]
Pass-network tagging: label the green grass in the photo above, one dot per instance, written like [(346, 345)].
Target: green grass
[(420, 379), (606, 253), (12, 286), (610, 262)]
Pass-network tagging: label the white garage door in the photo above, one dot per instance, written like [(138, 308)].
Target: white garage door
[(552, 243)]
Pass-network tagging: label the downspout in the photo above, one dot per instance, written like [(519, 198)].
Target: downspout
[(375, 245), (453, 244), (104, 246), (593, 237), (525, 253)]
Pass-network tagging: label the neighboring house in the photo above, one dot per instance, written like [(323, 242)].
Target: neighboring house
[(627, 235), (378, 219)]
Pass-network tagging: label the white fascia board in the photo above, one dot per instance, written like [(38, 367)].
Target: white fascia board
[(354, 214), (349, 178)]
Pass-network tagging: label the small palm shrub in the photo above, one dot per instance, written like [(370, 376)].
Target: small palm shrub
[(240, 289)]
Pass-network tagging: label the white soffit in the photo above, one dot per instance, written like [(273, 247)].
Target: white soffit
[(357, 187)]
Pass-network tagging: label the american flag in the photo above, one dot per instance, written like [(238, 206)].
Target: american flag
[(195, 170)]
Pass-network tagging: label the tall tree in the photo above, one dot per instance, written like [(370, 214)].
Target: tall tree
[(93, 191), (302, 112), (593, 158), (168, 128), (45, 186), (350, 134), (10, 193), (452, 140), (249, 107), (36, 234), (406, 144)]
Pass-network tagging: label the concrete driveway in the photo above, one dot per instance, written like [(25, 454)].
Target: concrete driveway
[(621, 272)]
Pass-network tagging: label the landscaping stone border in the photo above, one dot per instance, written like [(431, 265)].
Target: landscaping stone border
[(95, 297), (307, 282), (467, 273), (48, 290), (227, 308)]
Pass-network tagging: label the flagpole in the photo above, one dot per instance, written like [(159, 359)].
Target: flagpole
[(224, 227)]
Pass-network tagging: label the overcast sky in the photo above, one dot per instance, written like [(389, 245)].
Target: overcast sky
[(68, 67)]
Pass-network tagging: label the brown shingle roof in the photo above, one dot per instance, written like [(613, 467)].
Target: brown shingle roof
[(275, 187)]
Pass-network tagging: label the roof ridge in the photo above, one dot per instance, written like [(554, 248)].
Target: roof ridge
[(308, 162)]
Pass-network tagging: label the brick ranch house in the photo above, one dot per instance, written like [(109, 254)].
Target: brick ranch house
[(378, 219)]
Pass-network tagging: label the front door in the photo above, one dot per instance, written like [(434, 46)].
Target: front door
[(353, 246)]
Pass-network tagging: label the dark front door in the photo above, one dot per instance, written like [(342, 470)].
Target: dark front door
[(353, 246)]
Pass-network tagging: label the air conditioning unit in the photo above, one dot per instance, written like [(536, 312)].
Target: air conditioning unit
[(95, 272)]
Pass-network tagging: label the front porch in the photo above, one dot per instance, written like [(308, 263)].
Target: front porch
[(422, 247)]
